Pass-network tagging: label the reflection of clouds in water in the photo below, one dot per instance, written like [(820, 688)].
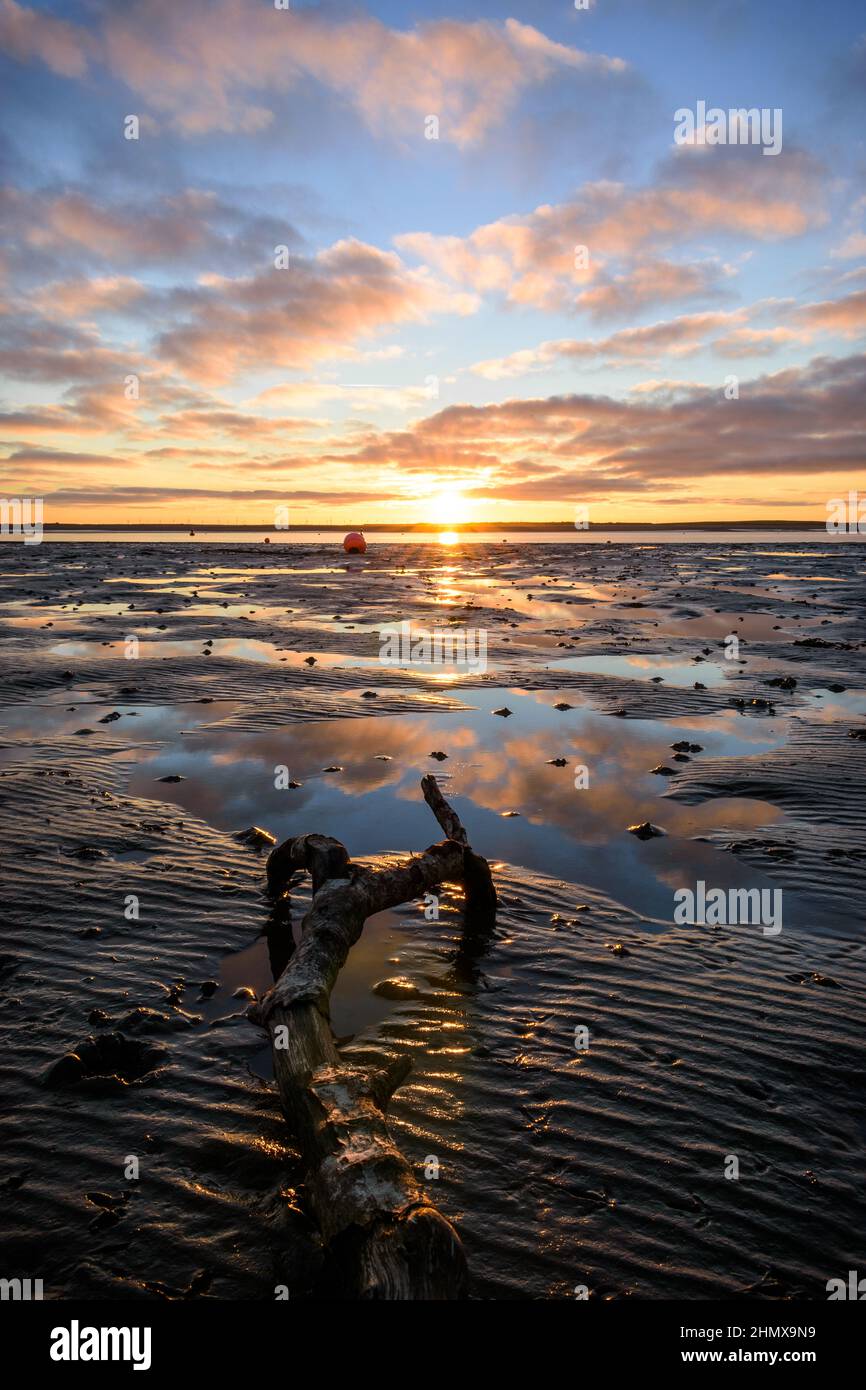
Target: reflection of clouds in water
[(621, 789), (492, 766)]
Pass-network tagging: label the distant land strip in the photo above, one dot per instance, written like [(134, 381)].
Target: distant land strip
[(462, 528)]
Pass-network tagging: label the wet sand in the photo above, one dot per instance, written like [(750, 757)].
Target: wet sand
[(602, 1167)]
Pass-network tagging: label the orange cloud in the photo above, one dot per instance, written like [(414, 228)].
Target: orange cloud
[(532, 258), (316, 309), (196, 64), (846, 315), (674, 337)]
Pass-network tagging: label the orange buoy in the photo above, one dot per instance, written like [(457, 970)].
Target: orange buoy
[(354, 543)]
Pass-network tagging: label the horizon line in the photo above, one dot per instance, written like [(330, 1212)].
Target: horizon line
[(432, 527)]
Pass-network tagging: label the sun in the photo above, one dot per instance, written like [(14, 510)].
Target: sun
[(448, 508), (448, 538)]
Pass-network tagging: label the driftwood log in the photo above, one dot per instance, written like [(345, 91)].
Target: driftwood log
[(383, 1237)]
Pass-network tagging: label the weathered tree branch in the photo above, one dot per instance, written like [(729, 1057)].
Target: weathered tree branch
[(480, 893), (384, 1236)]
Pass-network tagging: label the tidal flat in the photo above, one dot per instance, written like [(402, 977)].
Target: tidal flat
[(157, 699)]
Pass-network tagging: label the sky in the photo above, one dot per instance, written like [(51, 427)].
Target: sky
[(401, 263)]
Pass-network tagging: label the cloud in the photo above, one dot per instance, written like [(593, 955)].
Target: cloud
[(755, 342), (650, 283), (211, 65), (534, 258), (315, 309), (674, 337), (846, 315), (188, 226), (81, 297), (132, 496), (853, 245), (31, 34), (808, 420), (670, 438)]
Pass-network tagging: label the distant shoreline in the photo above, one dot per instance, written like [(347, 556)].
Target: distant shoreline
[(425, 527)]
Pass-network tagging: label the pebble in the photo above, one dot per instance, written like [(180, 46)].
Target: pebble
[(397, 987), (646, 830)]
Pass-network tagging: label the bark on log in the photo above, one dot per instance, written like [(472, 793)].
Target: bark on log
[(383, 1236), (480, 908)]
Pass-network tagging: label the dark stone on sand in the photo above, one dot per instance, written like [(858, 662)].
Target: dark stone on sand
[(369, 695), (557, 762), (562, 705), (310, 660), (244, 992), (836, 688), (857, 733), (98, 1017), (681, 758), (646, 830), (84, 731), (398, 987), (111, 1059), (66, 1071), (504, 711), (783, 682), (332, 767), (699, 686), (508, 814), (813, 977), (110, 718), (145, 1020), (661, 770), (255, 837), (439, 755), (294, 785), (383, 757), (208, 987), (822, 642), (107, 1203), (616, 948), (172, 777)]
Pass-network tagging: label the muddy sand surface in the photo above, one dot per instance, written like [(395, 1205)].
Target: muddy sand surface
[(149, 693)]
